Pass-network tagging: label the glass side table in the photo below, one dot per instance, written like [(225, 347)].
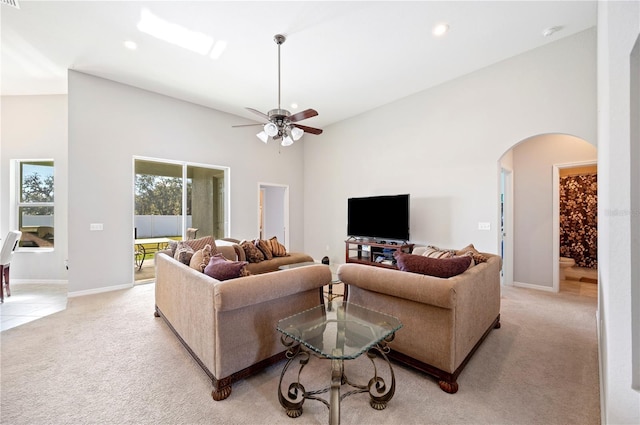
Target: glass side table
[(338, 332)]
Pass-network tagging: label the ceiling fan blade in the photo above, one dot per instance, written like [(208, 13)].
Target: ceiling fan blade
[(246, 125), (303, 115), (255, 111), (308, 129)]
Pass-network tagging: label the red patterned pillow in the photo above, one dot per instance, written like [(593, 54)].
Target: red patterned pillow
[(438, 267), (251, 252), (222, 269)]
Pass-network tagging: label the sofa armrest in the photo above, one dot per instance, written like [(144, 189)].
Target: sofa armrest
[(255, 289), (411, 286)]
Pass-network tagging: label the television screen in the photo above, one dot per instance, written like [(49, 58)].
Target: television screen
[(379, 217)]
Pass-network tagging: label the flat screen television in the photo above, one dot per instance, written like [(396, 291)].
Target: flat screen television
[(379, 217)]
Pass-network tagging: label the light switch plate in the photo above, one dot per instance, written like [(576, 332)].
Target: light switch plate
[(95, 226), (484, 226)]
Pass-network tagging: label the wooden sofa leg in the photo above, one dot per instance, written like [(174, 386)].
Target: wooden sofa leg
[(448, 387), (221, 393)]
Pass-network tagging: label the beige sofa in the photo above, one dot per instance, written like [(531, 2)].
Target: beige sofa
[(445, 320), (232, 250), (229, 326)]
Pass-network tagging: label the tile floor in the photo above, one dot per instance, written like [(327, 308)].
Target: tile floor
[(31, 301)]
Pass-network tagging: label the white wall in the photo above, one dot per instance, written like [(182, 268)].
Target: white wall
[(618, 30), (35, 127), (533, 162), (443, 146), (109, 123)]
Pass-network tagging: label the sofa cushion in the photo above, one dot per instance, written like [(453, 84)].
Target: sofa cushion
[(277, 249), (475, 254), (435, 252), (183, 252), (251, 252), (201, 258), (438, 267), (265, 247), (222, 269)]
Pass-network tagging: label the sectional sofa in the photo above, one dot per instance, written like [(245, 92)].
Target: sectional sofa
[(229, 327), (445, 319)]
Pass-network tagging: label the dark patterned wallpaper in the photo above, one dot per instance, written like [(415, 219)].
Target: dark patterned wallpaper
[(579, 219)]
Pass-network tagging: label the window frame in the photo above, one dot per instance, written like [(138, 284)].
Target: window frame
[(18, 204)]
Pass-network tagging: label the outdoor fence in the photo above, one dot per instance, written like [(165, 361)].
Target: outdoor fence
[(154, 226)]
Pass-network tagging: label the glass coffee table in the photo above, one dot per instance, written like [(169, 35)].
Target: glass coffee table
[(339, 331)]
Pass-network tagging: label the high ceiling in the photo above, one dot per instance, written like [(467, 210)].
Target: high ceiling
[(340, 58)]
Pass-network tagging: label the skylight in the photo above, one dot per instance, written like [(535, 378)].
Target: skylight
[(179, 35)]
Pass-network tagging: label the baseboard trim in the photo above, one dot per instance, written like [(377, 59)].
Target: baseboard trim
[(99, 290), (532, 286), (47, 281)]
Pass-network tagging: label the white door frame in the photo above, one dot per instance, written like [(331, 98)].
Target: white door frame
[(505, 235), (556, 216), (285, 211)]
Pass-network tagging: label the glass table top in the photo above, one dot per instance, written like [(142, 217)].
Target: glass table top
[(343, 331)]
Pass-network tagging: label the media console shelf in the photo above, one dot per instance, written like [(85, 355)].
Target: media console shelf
[(374, 253)]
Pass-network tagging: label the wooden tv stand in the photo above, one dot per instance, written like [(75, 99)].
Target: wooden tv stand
[(373, 253)]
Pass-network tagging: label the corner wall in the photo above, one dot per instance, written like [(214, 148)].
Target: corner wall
[(618, 30), (443, 147), (35, 127), (109, 123)]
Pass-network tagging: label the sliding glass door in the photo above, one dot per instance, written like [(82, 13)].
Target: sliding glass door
[(175, 200)]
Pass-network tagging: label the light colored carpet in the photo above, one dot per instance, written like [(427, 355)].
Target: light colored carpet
[(108, 360)]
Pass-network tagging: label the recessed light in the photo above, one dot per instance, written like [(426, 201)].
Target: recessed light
[(440, 30), (131, 45), (294, 106)]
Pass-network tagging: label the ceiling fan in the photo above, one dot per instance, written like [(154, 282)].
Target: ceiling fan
[(281, 124)]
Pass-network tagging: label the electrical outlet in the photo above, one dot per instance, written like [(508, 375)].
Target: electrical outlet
[(484, 226)]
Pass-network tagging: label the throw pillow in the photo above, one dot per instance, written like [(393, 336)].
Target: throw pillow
[(183, 253), (438, 267), (251, 252), (222, 269), (477, 256), (200, 243), (172, 246), (435, 252), (277, 249), (196, 244), (201, 258), (265, 247)]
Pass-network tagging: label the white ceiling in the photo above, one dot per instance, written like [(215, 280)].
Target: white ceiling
[(340, 58)]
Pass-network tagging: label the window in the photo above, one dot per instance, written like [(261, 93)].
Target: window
[(35, 202)]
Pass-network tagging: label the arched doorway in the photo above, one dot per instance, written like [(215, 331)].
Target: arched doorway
[(532, 162)]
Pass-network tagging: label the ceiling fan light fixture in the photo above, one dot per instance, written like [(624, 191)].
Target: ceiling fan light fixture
[(287, 141), (296, 133), (271, 129), (263, 136)]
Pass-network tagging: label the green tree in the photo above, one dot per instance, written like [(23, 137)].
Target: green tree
[(37, 189), (159, 195)]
